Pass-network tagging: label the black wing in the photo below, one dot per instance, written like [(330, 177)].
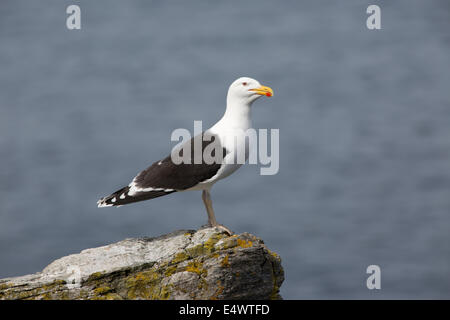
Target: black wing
[(165, 177)]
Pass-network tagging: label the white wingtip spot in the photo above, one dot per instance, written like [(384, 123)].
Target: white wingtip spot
[(102, 204), (122, 196)]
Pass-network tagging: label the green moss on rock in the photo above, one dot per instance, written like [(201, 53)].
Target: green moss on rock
[(212, 269)]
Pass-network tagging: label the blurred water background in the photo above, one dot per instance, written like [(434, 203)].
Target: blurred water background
[(364, 119)]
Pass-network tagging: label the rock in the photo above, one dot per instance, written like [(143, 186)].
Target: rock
[(203, 264)]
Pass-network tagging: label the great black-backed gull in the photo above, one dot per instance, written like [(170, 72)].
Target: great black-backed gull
[(165, 177)]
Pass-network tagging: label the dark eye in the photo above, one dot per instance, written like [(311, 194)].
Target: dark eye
[(244, 83)]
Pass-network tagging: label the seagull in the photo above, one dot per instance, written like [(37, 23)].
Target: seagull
[(168, 176)]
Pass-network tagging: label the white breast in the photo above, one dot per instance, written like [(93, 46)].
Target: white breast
[(237, 146), (231, 130)]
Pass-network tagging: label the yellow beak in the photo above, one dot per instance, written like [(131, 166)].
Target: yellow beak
[(264, 91)]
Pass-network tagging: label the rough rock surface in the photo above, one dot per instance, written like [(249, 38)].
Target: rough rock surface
[(203, 264)]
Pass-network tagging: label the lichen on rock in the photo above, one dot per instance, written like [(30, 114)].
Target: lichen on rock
[(202, 264)]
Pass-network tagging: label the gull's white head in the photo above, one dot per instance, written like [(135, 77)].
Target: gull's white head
[(246, 90)]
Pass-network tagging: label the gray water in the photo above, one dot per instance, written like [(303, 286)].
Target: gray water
[(364, 132)]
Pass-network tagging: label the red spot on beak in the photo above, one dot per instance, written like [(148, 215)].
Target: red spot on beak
[(268, 94)]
